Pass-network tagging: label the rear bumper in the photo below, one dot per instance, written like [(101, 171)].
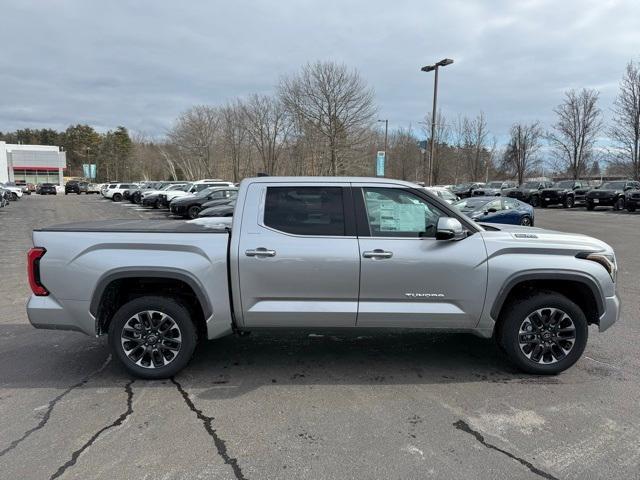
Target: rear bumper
[(48, 313), (611, 313)]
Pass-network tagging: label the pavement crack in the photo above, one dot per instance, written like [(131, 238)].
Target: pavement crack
[(119, 421), (220, 444), (50, 406), (464, 426)]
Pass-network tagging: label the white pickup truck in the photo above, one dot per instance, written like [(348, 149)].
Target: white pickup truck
[(314, 253)]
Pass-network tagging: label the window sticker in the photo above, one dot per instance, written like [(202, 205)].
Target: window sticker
[(401, 217)]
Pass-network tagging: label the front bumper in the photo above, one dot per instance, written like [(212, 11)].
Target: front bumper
[(611, 313), (601, 201), (177, 209)]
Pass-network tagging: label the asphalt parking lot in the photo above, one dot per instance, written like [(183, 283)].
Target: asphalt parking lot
[(392, 405)]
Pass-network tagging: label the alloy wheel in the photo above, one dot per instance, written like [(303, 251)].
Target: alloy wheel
[(151, 339), (547, 336), (525, 221)]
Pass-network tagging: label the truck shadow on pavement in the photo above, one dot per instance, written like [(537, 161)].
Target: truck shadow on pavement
[(232, 366)]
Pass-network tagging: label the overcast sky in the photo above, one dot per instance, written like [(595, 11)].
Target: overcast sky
[(139, 64)]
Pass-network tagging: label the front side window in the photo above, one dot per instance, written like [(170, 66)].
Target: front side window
[(305, 210), (394, 212), (510, 204)]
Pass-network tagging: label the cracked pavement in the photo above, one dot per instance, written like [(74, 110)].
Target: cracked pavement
[(333, 405)]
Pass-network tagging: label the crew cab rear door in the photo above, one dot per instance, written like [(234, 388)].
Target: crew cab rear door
[(408, 278), (298, 258)]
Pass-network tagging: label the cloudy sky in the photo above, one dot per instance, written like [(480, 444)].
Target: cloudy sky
[(139, 64)]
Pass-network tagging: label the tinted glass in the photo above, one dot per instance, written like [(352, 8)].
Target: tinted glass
[(394, 212), (565, 184), (613, 186), (305, 210)]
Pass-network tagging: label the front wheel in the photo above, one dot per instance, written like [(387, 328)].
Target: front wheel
[(535, 201), (631, 208), (568, 202), (543, 334), (619, 205), (590, 206), (153, 337), (193, 212), (526, 221), (117, 197)]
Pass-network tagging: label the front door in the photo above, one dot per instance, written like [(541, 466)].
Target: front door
[(299, 262), (408, 278)]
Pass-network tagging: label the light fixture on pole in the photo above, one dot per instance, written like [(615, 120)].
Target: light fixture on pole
[(442, 63)]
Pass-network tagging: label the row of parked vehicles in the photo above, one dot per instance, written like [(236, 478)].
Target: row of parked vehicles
[(203, 198), (618, 194)]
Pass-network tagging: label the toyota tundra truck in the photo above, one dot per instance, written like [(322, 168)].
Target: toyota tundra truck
[(317, 253)]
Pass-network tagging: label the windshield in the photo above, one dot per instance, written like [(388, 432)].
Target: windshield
[(494, 184), (471, 204), (175, 187), (564, 184), (447, 195), (613, 186), (531, 184)]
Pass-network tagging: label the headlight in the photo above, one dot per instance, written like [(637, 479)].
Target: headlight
[(607, 260)]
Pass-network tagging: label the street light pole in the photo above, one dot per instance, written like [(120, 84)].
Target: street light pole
[(442, 63)]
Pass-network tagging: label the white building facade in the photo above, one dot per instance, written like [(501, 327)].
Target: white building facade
[(32, 163)]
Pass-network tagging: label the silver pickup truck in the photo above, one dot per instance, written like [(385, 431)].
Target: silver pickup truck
[(322, 253)]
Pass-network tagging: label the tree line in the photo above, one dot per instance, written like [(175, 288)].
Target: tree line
[(323, 120)]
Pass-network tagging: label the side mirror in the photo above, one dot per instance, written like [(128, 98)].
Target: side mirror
[(449, 228), (491, 210)]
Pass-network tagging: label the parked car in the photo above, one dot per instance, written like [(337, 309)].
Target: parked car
[(115, 191), (497, 210), (528, 192), (75, 186), (190, 206), (194, 187), (152, 198), (93, 188), (610, 194), (15, 192), (149, 187), (580, 194), (444, 193), (297, 256), (493, 189), (224, 210), (465, 190), (46, 189), (561, 193), (632, 199)]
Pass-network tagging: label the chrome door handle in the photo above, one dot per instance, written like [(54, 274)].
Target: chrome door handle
[(377, 253), (260, 252)]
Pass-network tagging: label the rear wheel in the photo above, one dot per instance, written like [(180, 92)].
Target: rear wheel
[(153, 337), (543, 334), (117, 197)]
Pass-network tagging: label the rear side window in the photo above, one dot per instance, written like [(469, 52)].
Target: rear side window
[(305, 210)]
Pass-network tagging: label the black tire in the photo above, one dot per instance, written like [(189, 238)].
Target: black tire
[(156, 204), (569, 202), (66, 193), (117, 197), (193, 212), (180, 317), (590, 206), (631, 208), (543, 204), (518, 312), (526, 221), (535, 201), (619, 205), (14, 196)]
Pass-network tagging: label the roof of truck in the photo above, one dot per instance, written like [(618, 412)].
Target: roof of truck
[(380, 180)]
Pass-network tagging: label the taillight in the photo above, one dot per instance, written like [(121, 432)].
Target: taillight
[(33, 271)]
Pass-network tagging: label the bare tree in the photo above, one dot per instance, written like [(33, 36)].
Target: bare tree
[(625, 130), (268, 127), (575, 131), (471, 136), (195, 134), (234, 132), (520, 155), (335, 102)]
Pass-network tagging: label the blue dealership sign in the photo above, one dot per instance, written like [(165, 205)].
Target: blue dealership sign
[(380, 163)]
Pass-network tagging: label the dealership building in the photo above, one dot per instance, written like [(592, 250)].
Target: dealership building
[(31, 163)]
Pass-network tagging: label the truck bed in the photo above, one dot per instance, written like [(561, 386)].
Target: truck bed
[(138, 226)]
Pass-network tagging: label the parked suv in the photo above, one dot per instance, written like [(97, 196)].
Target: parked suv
[(465, 190), (115, 191), (611, 194), (632, 199), (493, 189), (75, 186), (529, 192), (561, 193), (580, 197)]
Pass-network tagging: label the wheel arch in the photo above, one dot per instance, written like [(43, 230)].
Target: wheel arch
[(162, 278), (580, 288)]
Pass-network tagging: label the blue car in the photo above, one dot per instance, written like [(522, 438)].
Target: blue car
[(497, 210)]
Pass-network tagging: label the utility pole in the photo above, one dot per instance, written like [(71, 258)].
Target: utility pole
[(442, 63)]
